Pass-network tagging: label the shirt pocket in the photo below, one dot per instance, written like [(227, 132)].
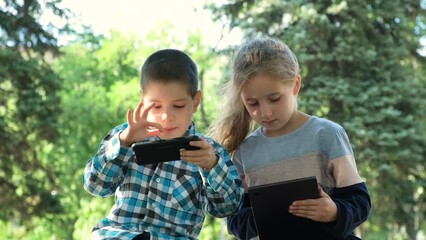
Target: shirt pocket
[(187, 194)]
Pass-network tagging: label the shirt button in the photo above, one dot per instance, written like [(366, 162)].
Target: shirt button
[(157, 180)]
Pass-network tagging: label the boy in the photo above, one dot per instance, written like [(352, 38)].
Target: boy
[(165, 200)]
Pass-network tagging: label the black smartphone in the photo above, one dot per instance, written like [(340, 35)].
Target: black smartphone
[(163, 150)]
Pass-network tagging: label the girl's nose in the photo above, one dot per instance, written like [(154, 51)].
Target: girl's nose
[(265, 110)]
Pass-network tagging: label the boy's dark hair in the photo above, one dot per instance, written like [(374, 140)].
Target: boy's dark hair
[(170, 65)]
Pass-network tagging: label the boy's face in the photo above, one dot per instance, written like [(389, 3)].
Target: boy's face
[(173, 107)]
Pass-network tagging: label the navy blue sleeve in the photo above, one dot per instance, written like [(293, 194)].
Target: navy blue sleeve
[(241, 224), (353, 208)]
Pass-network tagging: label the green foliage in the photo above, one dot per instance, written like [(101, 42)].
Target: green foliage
[(360, 68), (100, 81), (95, 103), (215, 229), (29, 108)]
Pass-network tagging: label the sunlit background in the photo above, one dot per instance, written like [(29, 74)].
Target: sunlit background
[(363, 65), (138, 18)]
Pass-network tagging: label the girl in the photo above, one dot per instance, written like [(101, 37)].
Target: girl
[(287, 144)]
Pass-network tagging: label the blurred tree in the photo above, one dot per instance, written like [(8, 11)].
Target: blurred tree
[(55, 108), (29, 108), (361, 67), (98, 73)]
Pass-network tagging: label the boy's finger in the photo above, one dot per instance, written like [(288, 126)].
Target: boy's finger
[(192, 160), (138, 111), (154, 132), (129, 116), (188, 153), (152, 126), (146, 110), (201, 144)]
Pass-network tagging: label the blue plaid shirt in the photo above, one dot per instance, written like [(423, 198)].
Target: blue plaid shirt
[(169, 200)]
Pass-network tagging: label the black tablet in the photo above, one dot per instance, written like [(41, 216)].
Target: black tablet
[(162, 150), (270, 204)]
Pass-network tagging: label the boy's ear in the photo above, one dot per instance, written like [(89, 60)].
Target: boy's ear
[(197, 100), (297, 84)]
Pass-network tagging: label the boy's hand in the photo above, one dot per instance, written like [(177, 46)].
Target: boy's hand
[(204, 157), (322, 209), (138, 126)]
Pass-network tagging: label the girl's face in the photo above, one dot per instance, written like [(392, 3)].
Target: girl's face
[(271, 102), (173, 107)]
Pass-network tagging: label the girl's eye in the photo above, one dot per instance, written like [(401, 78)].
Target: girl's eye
[(179, 106), (252, 103), (157, 107), (274, 99)]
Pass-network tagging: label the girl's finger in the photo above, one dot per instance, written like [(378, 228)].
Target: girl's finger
[(322, 193)]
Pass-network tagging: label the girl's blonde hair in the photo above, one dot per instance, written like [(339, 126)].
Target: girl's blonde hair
[(260, 55)]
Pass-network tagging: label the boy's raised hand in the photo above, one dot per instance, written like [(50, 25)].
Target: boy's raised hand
[(203, 157), (138, 126)]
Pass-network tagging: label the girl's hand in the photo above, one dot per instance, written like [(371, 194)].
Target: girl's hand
[(203, 157), (138, 126), (322, 209)]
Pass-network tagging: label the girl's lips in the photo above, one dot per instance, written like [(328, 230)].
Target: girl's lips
[(268, 121)]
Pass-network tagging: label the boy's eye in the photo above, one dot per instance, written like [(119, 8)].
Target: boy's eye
[(179, 106)]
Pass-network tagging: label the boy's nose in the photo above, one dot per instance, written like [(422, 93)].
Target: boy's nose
[(166, 116)]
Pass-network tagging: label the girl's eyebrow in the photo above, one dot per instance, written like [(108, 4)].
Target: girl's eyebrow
[(274, 94), (250, 99), (269, 95)]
